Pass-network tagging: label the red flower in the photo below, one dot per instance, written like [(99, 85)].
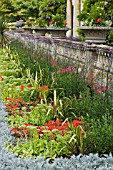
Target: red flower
[(29, 87), (99, 20), (63, 133), (20, 99), (51, 127), (51, 122), (62, 128), (28, 124), (39, 131), (30, 23), (76, 123), (57, 122), (65, 23), (52, 21), (65, 124)]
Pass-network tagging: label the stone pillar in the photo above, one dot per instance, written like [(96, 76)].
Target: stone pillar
[(76, 12), (69, 18)]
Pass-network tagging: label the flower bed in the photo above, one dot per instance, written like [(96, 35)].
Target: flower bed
[(45, 116)]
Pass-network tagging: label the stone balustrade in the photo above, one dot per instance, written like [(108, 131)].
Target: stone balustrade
[(99, 57)]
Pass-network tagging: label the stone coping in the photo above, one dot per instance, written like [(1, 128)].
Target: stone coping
[(95, 28), (69, 43)]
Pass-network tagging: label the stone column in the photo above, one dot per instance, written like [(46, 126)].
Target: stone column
[(69, 18), (76, 11)]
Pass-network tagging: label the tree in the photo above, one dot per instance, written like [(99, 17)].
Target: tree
[(48, 8)]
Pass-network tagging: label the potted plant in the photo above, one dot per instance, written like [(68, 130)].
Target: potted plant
[(97, 20), (40, 27), (54, 26), (28, 25), (57, 26)]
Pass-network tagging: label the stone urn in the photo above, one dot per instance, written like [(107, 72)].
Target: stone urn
[(95, 35), (57, 32), (27, 30), (19, 23), (39, 31), (54, 32)]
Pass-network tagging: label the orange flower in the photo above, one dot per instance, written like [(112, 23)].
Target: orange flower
[(41, 97), (15, 130), (22, 87), (1, 78), (44, 88)]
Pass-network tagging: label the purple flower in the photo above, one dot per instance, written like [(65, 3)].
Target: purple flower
[(43, 17)]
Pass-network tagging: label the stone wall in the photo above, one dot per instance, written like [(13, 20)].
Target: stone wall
[(98, 57)]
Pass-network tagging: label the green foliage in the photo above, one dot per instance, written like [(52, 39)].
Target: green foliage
[(48, 8), (58, 20), (110, 36), (15, 10), (6, 7), (99, 135), (103, 11), (81, 34), (3, 38), (41, 22)]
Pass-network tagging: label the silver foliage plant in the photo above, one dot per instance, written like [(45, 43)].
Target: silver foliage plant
[(9, 161)]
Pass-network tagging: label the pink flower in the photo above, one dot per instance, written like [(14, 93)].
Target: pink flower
[(54, 63), (42, 59), (104, 88), (89, 81), (90, 75), (98, 91), (95, 85), (58, 72)]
